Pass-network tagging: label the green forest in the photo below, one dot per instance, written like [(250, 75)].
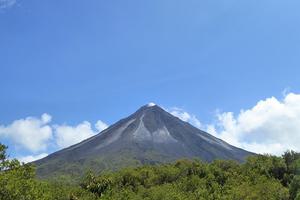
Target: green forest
[(263, 177)]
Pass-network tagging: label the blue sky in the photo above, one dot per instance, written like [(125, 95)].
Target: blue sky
[(101, 60)]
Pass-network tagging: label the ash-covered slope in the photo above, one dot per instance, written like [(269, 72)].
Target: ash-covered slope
[(150, 135)]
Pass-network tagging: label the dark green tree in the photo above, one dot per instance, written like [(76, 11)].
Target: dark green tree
[(295, 187)]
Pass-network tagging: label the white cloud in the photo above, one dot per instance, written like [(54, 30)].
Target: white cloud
[(68, 135), (37, 134), (7, 3), (100, 125), (30, 133), (185, 116), (31, 158), (46, 118), (271, 126)]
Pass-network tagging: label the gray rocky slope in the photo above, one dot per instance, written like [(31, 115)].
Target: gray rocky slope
[(150, 135)]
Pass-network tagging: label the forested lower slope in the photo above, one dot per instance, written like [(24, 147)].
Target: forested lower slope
[(260, 177)]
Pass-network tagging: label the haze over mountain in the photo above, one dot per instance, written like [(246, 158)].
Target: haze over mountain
[(149, 136)]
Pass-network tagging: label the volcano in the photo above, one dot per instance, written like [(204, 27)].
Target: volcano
[(151, 135)]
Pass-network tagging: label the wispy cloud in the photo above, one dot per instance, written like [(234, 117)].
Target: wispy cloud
[(185, 116), (7, 3), (100, 125)]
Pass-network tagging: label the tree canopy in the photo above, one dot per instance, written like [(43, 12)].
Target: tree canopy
[(263, 177)]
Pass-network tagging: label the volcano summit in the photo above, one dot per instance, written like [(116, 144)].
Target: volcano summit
[(149, 136)]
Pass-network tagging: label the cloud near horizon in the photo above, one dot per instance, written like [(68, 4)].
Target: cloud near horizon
[(36, 135), (69, 135), (31, 158), (270, 126), (30, 133)]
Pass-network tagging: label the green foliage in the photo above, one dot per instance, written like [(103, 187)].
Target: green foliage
[(295, 167), (290, 157), (3, 158), (295, 187), (97, 185), (261, 177), (270, 166), (18, 182)]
